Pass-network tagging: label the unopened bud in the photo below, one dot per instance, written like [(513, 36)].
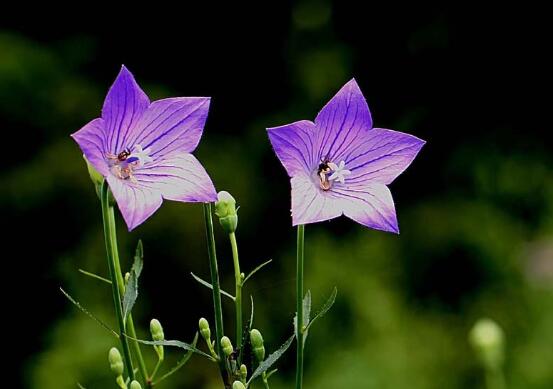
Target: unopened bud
[(243, 372), (157, 335), (135, 385), (488, 340), (116, 362), (226, 345), (205, 330), (127, 277), (225, 209), (256, 339), (238, 385)]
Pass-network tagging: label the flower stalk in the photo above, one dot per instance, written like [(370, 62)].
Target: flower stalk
[(238, 292), (109, 236), (299, 306), (213, 267)]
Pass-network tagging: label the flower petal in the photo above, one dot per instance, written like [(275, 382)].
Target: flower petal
[(136, 202), (310, 204), (294, 146), (382, 156), (172, 125), (179, 178), (342, 122), (92, 139), (370, 204), (124, 105)]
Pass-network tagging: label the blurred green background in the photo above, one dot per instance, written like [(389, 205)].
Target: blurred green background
[(475, 208)]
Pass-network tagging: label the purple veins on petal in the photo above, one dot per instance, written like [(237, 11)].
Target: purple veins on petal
[(143, 149), (340, 164)]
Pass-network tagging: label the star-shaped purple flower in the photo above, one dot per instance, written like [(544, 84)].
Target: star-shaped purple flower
[(144, 149), (340, 164)]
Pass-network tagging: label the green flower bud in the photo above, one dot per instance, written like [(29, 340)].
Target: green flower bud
[(226, 345), (116, 362), (258, 348), (127, 277), (205, 330), (96, 178), (157, 334), (135, 385), (488, 340), (238, 385), (225, 209), (243, 372)]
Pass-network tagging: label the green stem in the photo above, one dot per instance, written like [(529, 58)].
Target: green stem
[(212, 254), (265, 381), (238, 294), (154, 373), (299, 307), (121, 285), (111, 249)]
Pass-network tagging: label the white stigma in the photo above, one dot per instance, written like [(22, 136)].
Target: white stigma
[(339, 172), (142, 156)]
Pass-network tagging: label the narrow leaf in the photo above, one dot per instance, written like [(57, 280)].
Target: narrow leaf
[(131, 289), (173, 343), (325, 308), (88, 313), (180, 363), (256, 270), (271, 359), (96, 276), (306, 314), (208, 285)]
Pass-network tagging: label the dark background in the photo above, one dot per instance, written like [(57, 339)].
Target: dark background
[(475, 208)]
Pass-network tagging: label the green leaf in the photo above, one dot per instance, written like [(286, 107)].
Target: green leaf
[(180, 363), (208, 285), (324, 309), (131, 289), (271, 359), (173, 343), (256, 270), (96, 276), (88, 313)]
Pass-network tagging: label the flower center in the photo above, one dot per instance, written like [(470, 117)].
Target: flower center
[(328, 172), (124, 163)]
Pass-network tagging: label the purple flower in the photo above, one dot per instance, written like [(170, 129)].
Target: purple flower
[(340, 164), (143, 149)]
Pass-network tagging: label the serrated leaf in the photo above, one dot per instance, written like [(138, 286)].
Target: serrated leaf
[(88, 313), (208, 285), (93, 275), (180, 363), (325, 308), (173, 343), (270, 360), (131, 289), (256, 270)]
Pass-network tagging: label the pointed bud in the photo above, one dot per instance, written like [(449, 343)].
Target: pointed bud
[(225, 209), (238, 385), (135, 385), (205, 330), (256, 339), (157, 335), (488, 340), (226, 345), (243, 372), (116, 362)]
